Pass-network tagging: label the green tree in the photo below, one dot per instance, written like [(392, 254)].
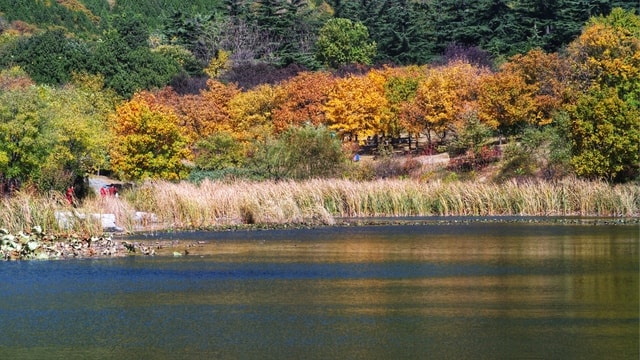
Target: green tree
[(126, 69), (551, 25), (291, 25), (605, 117), (51, 57), (219, 151), (473, 136), (605, 136), (51, 136), (402, 32), (300, 153), (132, 29), (25, 134), (342, 42), (402, 29), (52, 14), (471, 23)]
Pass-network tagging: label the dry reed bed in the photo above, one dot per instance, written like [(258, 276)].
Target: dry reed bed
[(210, 204)]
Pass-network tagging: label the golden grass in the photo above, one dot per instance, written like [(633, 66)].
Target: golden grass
[(24, 210), (320, 201), (214, 203)]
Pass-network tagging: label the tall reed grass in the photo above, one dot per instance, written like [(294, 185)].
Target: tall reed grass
[(24, 210), (215, 203)]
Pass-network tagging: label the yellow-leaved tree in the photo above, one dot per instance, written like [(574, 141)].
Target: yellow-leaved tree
[(547, 76), (357, 106), (251, 113), (443, 98), (148, 143), (506, 101)]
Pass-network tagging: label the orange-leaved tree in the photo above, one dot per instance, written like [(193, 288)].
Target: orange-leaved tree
[(302, 100), (203, 114), (528, 90), (148, 142), (209, 112)]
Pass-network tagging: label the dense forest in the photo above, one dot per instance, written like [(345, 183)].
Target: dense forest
[(168, 89)]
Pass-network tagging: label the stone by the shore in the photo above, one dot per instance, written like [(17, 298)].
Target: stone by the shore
[(67, 219)]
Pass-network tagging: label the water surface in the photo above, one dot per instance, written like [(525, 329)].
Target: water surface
[(468, 291)]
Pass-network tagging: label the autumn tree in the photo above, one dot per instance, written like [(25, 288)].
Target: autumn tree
[(302, 100), (528, 90), (605, 121), (548, 76), (445, 95), (14, 78), (208, 112), (506, 102), (400, 88), (206, 121), (148, 143), (251, 113), (357, 106), (607, 53), (200, 115)]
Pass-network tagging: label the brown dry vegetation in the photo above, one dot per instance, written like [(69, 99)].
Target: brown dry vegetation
[(212, 204)]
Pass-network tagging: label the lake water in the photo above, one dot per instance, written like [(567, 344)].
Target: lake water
[(438, 291)]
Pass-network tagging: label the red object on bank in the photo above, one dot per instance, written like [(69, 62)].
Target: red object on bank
[(70, 194)]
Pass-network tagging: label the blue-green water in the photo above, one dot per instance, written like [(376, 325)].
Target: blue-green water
[(469, 291)]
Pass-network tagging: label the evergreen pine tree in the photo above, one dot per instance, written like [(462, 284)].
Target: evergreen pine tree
[(403, 33)]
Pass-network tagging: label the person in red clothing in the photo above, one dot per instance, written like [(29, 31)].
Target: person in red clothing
[(70, 194)]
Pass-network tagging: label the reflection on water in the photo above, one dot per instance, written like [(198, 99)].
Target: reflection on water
[(436, 291)]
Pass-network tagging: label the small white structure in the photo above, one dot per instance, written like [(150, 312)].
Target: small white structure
[(67, 219)]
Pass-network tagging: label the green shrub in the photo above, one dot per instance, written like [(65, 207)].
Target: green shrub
[(218, 152), (300, 153)]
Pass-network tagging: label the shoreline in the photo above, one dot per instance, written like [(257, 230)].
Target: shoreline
[(401, 221), (40, 246)]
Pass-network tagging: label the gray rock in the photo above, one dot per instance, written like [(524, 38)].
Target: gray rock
[(67, 219)]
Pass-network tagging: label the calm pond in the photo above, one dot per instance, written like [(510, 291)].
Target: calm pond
[(440, 291)]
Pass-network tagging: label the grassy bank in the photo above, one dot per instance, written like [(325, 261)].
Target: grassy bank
[(211, 204)]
